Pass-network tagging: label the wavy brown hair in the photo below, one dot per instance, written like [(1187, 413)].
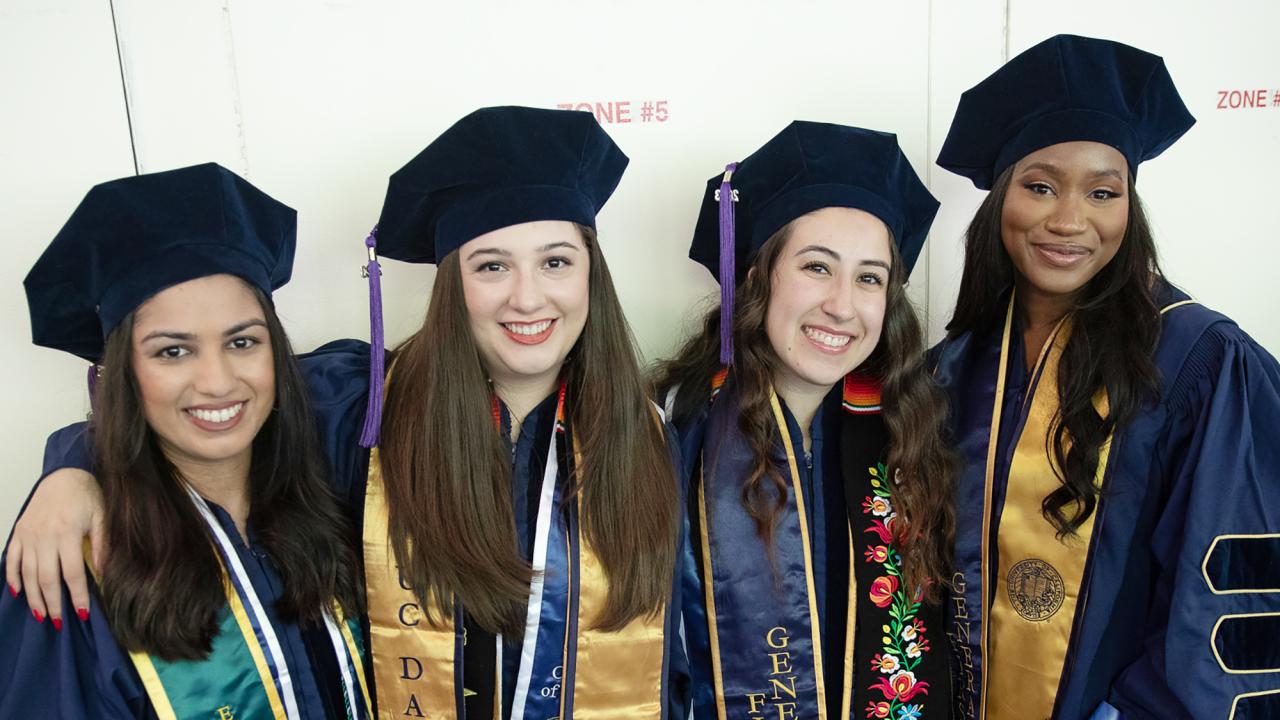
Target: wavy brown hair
[(448, 471), (162, 585), (1115, 327), (914, 411)]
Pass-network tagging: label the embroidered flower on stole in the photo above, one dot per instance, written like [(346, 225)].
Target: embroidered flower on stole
[(904, 634)]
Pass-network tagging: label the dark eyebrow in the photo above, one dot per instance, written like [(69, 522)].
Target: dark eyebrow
[(167, 335), (836, 256), (488, 251), (561, 244), (507, 253), (1054, 170), (819, 249), (188, 337), (1047, 167), (241, 327)]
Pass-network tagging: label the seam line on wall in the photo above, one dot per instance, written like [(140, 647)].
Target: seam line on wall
[(124, 87), (233, 69)]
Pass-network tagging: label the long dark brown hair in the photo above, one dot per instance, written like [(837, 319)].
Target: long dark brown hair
[(162, 585), (448, 472), (1115, 327), (914, 410)]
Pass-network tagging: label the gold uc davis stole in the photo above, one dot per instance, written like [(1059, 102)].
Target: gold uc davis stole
[(566, 669), (245, 675), (1039, 578), (765, 640)]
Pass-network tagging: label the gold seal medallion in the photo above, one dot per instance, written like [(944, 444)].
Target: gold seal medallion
[(1035, 589)]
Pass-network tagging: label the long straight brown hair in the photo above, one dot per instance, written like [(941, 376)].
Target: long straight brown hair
[(914, 410), (448, 473), (162, 585)]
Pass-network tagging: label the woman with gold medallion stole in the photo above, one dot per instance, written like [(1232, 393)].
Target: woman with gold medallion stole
[(231, 568), (1118, 517), (811, 433), (520, 513)]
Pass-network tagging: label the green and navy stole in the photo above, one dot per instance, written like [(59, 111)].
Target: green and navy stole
[(246, 674), (566, 669), (765, 640)]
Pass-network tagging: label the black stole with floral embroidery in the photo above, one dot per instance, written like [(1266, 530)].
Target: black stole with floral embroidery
[(902, 671)]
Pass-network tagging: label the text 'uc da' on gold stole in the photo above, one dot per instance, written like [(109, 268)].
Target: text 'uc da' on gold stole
[(1038, 580), (413, 662)]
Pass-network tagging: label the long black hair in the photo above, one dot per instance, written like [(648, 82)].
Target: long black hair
[(1115, 327), (162, 585)]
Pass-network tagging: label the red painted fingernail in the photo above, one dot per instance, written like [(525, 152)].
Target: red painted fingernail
[(83, 613), (39, 618), (57, 624), (12, 590)]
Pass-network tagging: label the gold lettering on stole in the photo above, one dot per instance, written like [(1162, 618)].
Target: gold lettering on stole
[(960, 635), (413, 659), (224, 713), (781, 682)]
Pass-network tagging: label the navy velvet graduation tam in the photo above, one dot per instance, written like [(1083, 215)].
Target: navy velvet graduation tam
[(806, 167), (494, 168), (1065, 89), (131, 238)]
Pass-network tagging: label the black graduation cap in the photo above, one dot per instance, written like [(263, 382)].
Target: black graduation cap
[(806, 167), (494, 168), (1065, 89), (131, 238)]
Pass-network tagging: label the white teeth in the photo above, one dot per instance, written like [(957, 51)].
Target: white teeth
[(527, 328), (217, 416), (832, 341)]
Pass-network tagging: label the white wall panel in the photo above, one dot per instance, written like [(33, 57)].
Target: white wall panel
[(318, 101), (62, 129)]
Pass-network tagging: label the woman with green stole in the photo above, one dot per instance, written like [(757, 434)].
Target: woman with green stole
[(231, 569), (515, 487), (811, 434), (1118, 515)]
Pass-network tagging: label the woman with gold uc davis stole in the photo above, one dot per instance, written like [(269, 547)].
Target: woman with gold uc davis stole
[(230, 571), (1118, 518), (521, 517), (520, 512), (811, 432)]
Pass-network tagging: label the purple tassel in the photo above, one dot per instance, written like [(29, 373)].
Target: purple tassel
[(727, 274), (373, 411)]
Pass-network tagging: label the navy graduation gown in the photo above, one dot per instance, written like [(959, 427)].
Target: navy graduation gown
[(82, 673), (824, 488), (1173, 620), (338, 375)]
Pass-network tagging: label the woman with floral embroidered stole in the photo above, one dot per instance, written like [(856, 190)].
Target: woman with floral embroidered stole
[(819, 481), (506, 573), (1118, 540), (231, 567)]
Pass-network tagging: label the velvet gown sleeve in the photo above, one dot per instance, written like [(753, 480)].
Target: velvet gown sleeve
[(679, 680), (77, 673), (694, 630), (1212, 644), (337, 376)]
